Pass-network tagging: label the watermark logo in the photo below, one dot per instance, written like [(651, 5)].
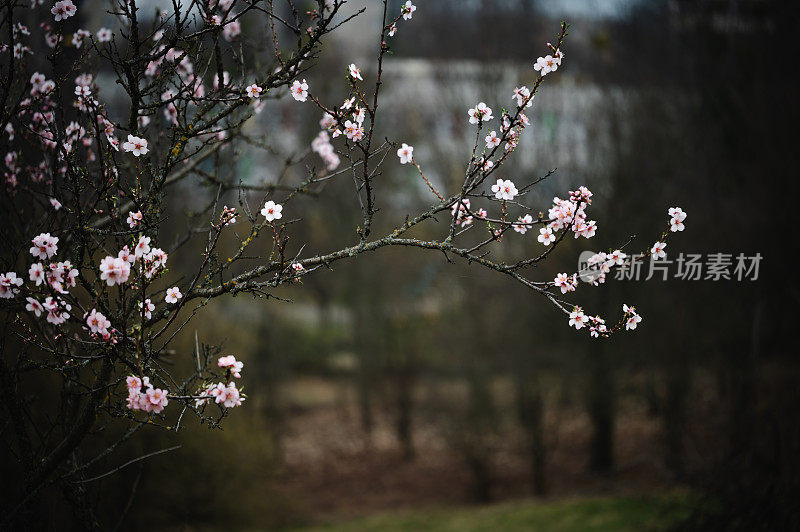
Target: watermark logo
[(685, 267)]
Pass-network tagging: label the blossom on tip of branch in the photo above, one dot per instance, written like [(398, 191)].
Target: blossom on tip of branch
[(406, 153), (632, 319), (354, 72), (300, 90), (676, 222), (136, 145), (504, 189), (480, 113), (272, 211), (407, 10)]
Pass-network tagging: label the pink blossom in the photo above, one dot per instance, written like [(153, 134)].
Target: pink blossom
[(114, 270), (406, 153), (44, 246), (233, 365), (300, 90), (272, 211), (173, 295), (9, 283)]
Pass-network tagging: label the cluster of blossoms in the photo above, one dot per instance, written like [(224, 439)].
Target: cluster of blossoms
[(228, 216), (632, 319), (57, 276), (99, 324), (134, 218), (567, 283), (44, 246), (570, 214), (677, 216), (150, 399), (61, 276), (323, 147), (406, 12), (57, 309), (461, 212), (599, 265), (596, 324), (299, 90), (117, 270), (63, 10), (480, 113), (9, 285), (229, 395)]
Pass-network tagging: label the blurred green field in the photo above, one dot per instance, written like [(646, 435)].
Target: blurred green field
[(586, 514)]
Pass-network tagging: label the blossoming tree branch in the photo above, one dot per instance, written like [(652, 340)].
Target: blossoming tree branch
[(85, 285)]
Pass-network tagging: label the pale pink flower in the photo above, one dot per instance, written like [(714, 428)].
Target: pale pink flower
[(504, 189), (407, 10), (114, 270), (272, 211), (34, 306), (300, 90), (406, 153), (254, 91), (36, 273), (104, 35), (9, 285), (148, 308), (173, 295), (233, 365), (136, 145), (657, 250), (354, 72), (546, 236)]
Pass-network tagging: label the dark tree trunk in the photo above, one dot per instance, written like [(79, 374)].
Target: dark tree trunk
[(601, 409)]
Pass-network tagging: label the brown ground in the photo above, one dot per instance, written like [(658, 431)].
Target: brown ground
[(330, 463)]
